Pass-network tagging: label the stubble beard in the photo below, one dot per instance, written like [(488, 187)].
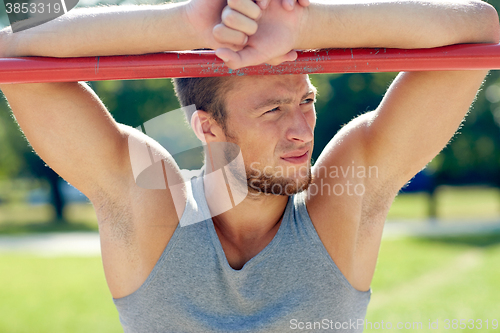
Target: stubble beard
[(260, 182)]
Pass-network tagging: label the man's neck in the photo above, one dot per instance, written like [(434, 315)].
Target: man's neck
[(247, 228), (252, 219)]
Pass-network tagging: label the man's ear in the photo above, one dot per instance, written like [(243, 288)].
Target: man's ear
[(205, 127)]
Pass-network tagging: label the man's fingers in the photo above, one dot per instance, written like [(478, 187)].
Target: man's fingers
[(229, 57), (262, 3), (304, 3), (232, 47), (238, 21), (246, 57), (288, 4), (290, 56), (250, 57), (225, 35), (246, 7)]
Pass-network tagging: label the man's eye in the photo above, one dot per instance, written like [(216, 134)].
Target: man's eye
[(308, 101), (273, 110)]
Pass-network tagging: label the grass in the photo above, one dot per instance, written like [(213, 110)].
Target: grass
[(55, 295), (416, 280), (422, 280), (20, 218), (453, 203), (467, 202)]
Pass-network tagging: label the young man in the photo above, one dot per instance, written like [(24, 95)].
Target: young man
[(277, 259)]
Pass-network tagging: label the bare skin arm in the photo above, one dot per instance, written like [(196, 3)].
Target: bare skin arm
[(71, 130), (399, 24), (116, 30), (417, 117), (419, 114)]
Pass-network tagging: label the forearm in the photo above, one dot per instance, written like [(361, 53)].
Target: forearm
[(105, 31), (401, 24)]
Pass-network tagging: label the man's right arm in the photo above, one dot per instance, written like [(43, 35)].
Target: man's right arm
[(99, 31), (116, 30), (72, 131), (66, 123)]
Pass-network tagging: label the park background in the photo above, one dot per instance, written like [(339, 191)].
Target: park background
[(421, 276)]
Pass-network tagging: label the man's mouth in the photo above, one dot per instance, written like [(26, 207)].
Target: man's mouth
[(297, 157)]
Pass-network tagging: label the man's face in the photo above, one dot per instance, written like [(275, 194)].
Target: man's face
[(272, 119)]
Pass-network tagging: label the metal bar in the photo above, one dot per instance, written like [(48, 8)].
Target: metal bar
[(205, 63)]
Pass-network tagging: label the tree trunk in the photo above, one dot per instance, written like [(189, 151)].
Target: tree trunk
[(56, 197)]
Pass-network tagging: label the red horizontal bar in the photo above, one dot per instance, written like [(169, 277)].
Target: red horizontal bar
[(205, 63)]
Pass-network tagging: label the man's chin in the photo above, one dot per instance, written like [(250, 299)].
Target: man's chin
[(278, 186)]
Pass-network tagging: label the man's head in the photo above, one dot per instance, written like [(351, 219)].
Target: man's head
[(271, 119)]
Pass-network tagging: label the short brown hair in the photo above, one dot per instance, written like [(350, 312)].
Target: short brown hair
[(206, 93)]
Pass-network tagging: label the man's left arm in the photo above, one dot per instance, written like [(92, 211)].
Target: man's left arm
[(418, 115)]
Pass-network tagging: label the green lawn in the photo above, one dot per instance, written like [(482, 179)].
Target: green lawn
[(452, 203), (417, 280), (54, 295), (20, 218)]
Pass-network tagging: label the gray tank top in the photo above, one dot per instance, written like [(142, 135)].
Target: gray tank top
[(292, 284)]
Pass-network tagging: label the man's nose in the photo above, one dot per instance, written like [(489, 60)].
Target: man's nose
[(300, 130)]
